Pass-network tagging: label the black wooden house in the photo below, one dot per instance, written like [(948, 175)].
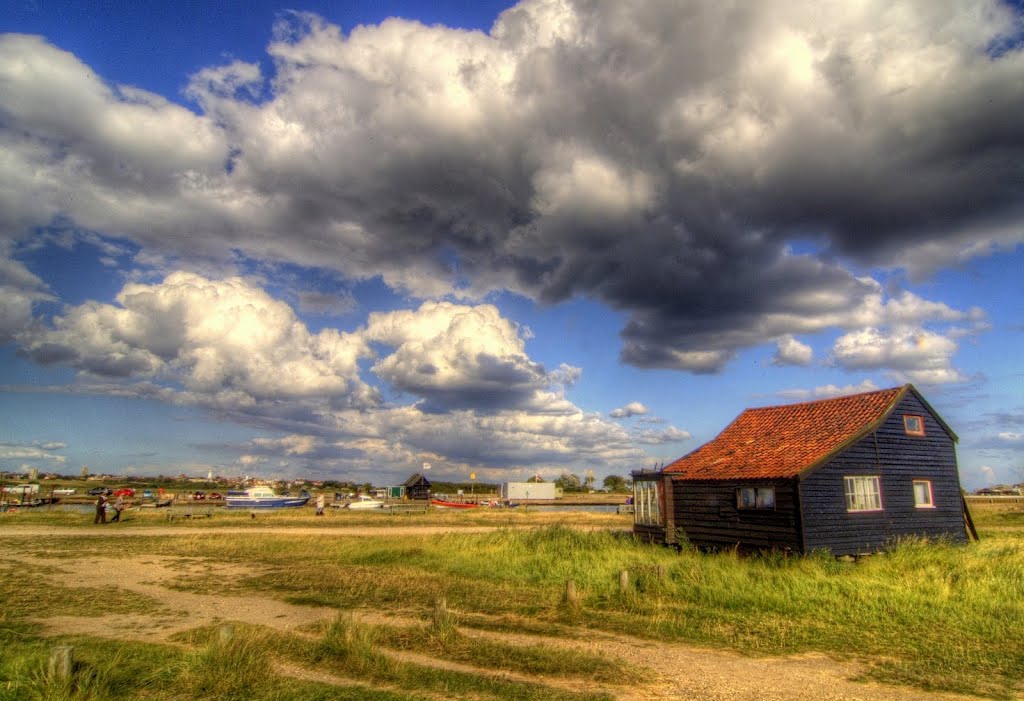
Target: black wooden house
[(417, 487), (849, 475)]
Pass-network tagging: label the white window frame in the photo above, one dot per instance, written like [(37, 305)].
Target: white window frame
[(863, 493), (755, 498), (647, 502), (918, 504)]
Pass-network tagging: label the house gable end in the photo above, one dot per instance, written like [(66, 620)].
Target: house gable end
[(895, 459)]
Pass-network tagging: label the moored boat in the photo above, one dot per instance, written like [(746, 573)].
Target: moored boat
[(261, 498), (442, 504), (365, 502)]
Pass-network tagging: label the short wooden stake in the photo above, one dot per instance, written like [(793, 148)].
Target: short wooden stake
[(61, 663), (624, 580), (571, 597), (225, 633), (661, 573), (440, 611)]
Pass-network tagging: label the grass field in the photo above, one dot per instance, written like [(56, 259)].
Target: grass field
[(930, 615)]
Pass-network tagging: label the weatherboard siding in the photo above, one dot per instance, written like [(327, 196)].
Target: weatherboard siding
[(707, 513), (897, 459)]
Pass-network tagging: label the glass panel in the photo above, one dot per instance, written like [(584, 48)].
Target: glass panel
[(646, 503), (863, 494), (922, 493), (913, 425), (755, 498)]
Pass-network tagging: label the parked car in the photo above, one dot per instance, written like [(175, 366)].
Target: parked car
[(124, 492), (96, 491), (148, 494), (216, 495), (199, 495)]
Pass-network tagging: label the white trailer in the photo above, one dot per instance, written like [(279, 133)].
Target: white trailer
[(528, 491), (21, 495), (22, 490)]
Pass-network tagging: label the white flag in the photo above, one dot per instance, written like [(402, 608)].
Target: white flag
[(426, 466)]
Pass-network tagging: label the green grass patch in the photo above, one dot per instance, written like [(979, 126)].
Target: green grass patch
[(349, 648), (548, 660), (236, 670), (21, 596)]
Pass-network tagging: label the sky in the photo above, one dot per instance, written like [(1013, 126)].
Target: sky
[(348, 240)]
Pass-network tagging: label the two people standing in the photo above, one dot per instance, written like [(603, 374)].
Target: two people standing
[(103, 504)]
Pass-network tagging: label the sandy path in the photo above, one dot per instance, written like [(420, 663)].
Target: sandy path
[(683, 672)]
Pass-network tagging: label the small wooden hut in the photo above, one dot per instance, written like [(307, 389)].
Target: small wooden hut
[(417, 487), (849, 474)]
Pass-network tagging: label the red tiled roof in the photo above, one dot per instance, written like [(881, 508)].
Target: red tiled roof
[(782, 441)]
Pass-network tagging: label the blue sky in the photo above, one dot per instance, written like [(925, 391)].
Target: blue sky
[(343, 240)]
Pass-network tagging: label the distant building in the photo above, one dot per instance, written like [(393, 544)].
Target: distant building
[(417, 487), (1002, 490), (528, 491), (849, 475)]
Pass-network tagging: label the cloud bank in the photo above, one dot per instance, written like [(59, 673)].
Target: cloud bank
[(472, 395), (660, 158)]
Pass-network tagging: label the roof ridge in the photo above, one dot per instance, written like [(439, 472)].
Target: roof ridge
[(828, 399)]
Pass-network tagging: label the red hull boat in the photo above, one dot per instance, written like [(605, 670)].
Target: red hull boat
[(442, 504)]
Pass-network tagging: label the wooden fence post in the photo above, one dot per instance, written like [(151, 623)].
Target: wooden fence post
[(571, 597), (225, 633), (623, 580), (61, 663), (661, 573), (440, 611)]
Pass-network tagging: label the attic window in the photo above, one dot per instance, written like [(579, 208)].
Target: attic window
[(913, 425), (755, 498)]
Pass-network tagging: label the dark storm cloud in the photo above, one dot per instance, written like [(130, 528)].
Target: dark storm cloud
[(659, 157)]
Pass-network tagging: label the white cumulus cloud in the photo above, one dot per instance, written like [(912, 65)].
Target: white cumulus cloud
[(460, 356), (920, 355), (223, 337), (631, 409), (792, 352)]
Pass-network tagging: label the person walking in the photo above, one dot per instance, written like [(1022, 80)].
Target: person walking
[(101, 509), (118, 508), (320, 504)]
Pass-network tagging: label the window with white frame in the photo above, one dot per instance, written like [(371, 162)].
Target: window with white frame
[(923, 494), (755, 498), (863, 493), (647, 502)]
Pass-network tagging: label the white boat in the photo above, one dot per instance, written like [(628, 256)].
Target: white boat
[(262, 498), (365, 502)]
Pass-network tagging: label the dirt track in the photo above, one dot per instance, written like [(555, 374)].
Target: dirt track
[(683, 672)]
